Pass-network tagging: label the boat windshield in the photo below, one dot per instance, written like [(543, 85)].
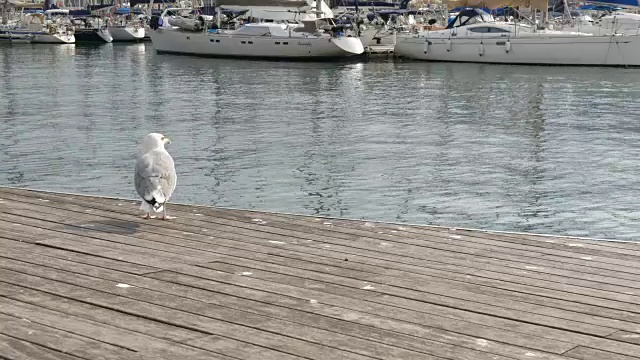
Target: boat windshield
[(470, 16)]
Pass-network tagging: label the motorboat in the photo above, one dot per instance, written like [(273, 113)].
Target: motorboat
[(184, 33)]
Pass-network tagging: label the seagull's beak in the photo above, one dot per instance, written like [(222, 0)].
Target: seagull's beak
[(167, 140)]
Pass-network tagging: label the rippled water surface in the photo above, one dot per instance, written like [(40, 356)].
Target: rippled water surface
[(540, 149)]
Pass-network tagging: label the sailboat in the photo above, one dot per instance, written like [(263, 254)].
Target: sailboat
[(475, 36), (123, 26), (52, 26)]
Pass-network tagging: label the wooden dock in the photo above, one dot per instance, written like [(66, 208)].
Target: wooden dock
[(87, 278), (380, 51)]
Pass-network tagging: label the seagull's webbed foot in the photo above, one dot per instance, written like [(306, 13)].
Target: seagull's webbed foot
[(165, 216), (148, 216)]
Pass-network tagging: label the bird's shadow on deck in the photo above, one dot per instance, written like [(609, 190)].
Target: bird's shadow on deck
[(113, 226)]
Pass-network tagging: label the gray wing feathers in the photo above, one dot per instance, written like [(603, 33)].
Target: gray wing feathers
[(155, 176)]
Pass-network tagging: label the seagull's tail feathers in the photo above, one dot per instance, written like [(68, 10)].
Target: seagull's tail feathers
[(154, 200)]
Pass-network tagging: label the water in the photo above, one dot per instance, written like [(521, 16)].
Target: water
[(538, 149)]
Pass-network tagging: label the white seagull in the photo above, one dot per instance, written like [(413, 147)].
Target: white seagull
[(155, 177)]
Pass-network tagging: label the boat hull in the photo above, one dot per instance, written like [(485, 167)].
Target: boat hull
[(93, 35), (15, 35), (540, 49), (126, 33), (218, 45)]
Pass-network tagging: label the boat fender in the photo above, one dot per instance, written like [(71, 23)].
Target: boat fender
[(426, 46), (481, 49), (507, 46), (449, 44)]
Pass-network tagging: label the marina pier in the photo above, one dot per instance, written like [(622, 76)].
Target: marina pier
[(85, 277)]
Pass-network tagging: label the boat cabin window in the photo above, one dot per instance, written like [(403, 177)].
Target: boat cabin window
[(487, 29)]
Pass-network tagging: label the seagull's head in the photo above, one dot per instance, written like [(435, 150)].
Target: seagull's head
[(154, 141)]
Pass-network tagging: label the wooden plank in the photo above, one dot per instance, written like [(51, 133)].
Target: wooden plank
[(387, 337), (106, 316), (530, 340), (583, 269), (626, 336), (236, 265), (435, 309), (133, 341), (163, 251), (63, 341), (118, 336), (546, 332), (624, 297), (8, 246), (569, 305), (627, 303), (420, 331), (590, 319), (420, 275), (416, 235), (15, 349), (252, 214), (216, 316), (554, 321), (563, 244), (286, 301), (8, 289), (191, 209), (227, 215), (243, 351), (187, 319), (418, 229), (7, 233), (587, 353)]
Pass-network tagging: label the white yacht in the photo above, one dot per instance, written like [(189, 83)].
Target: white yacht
[(124, 27), (49, 27), (473, 36), (188, 35)]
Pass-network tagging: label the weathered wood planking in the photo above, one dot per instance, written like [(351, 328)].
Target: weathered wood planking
[(86, 278)]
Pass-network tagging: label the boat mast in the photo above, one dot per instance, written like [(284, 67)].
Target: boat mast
[(5, 19), (318, 8), (357, 19), (218, 16)]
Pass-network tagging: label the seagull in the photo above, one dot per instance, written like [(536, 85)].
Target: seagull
[(155, 177)]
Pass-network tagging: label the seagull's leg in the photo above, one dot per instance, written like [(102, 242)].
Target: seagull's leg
[(164, 214)]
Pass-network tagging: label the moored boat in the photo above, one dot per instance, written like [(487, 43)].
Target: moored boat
[(257, 40), (473, 36), (48, 27), (91, 29)]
